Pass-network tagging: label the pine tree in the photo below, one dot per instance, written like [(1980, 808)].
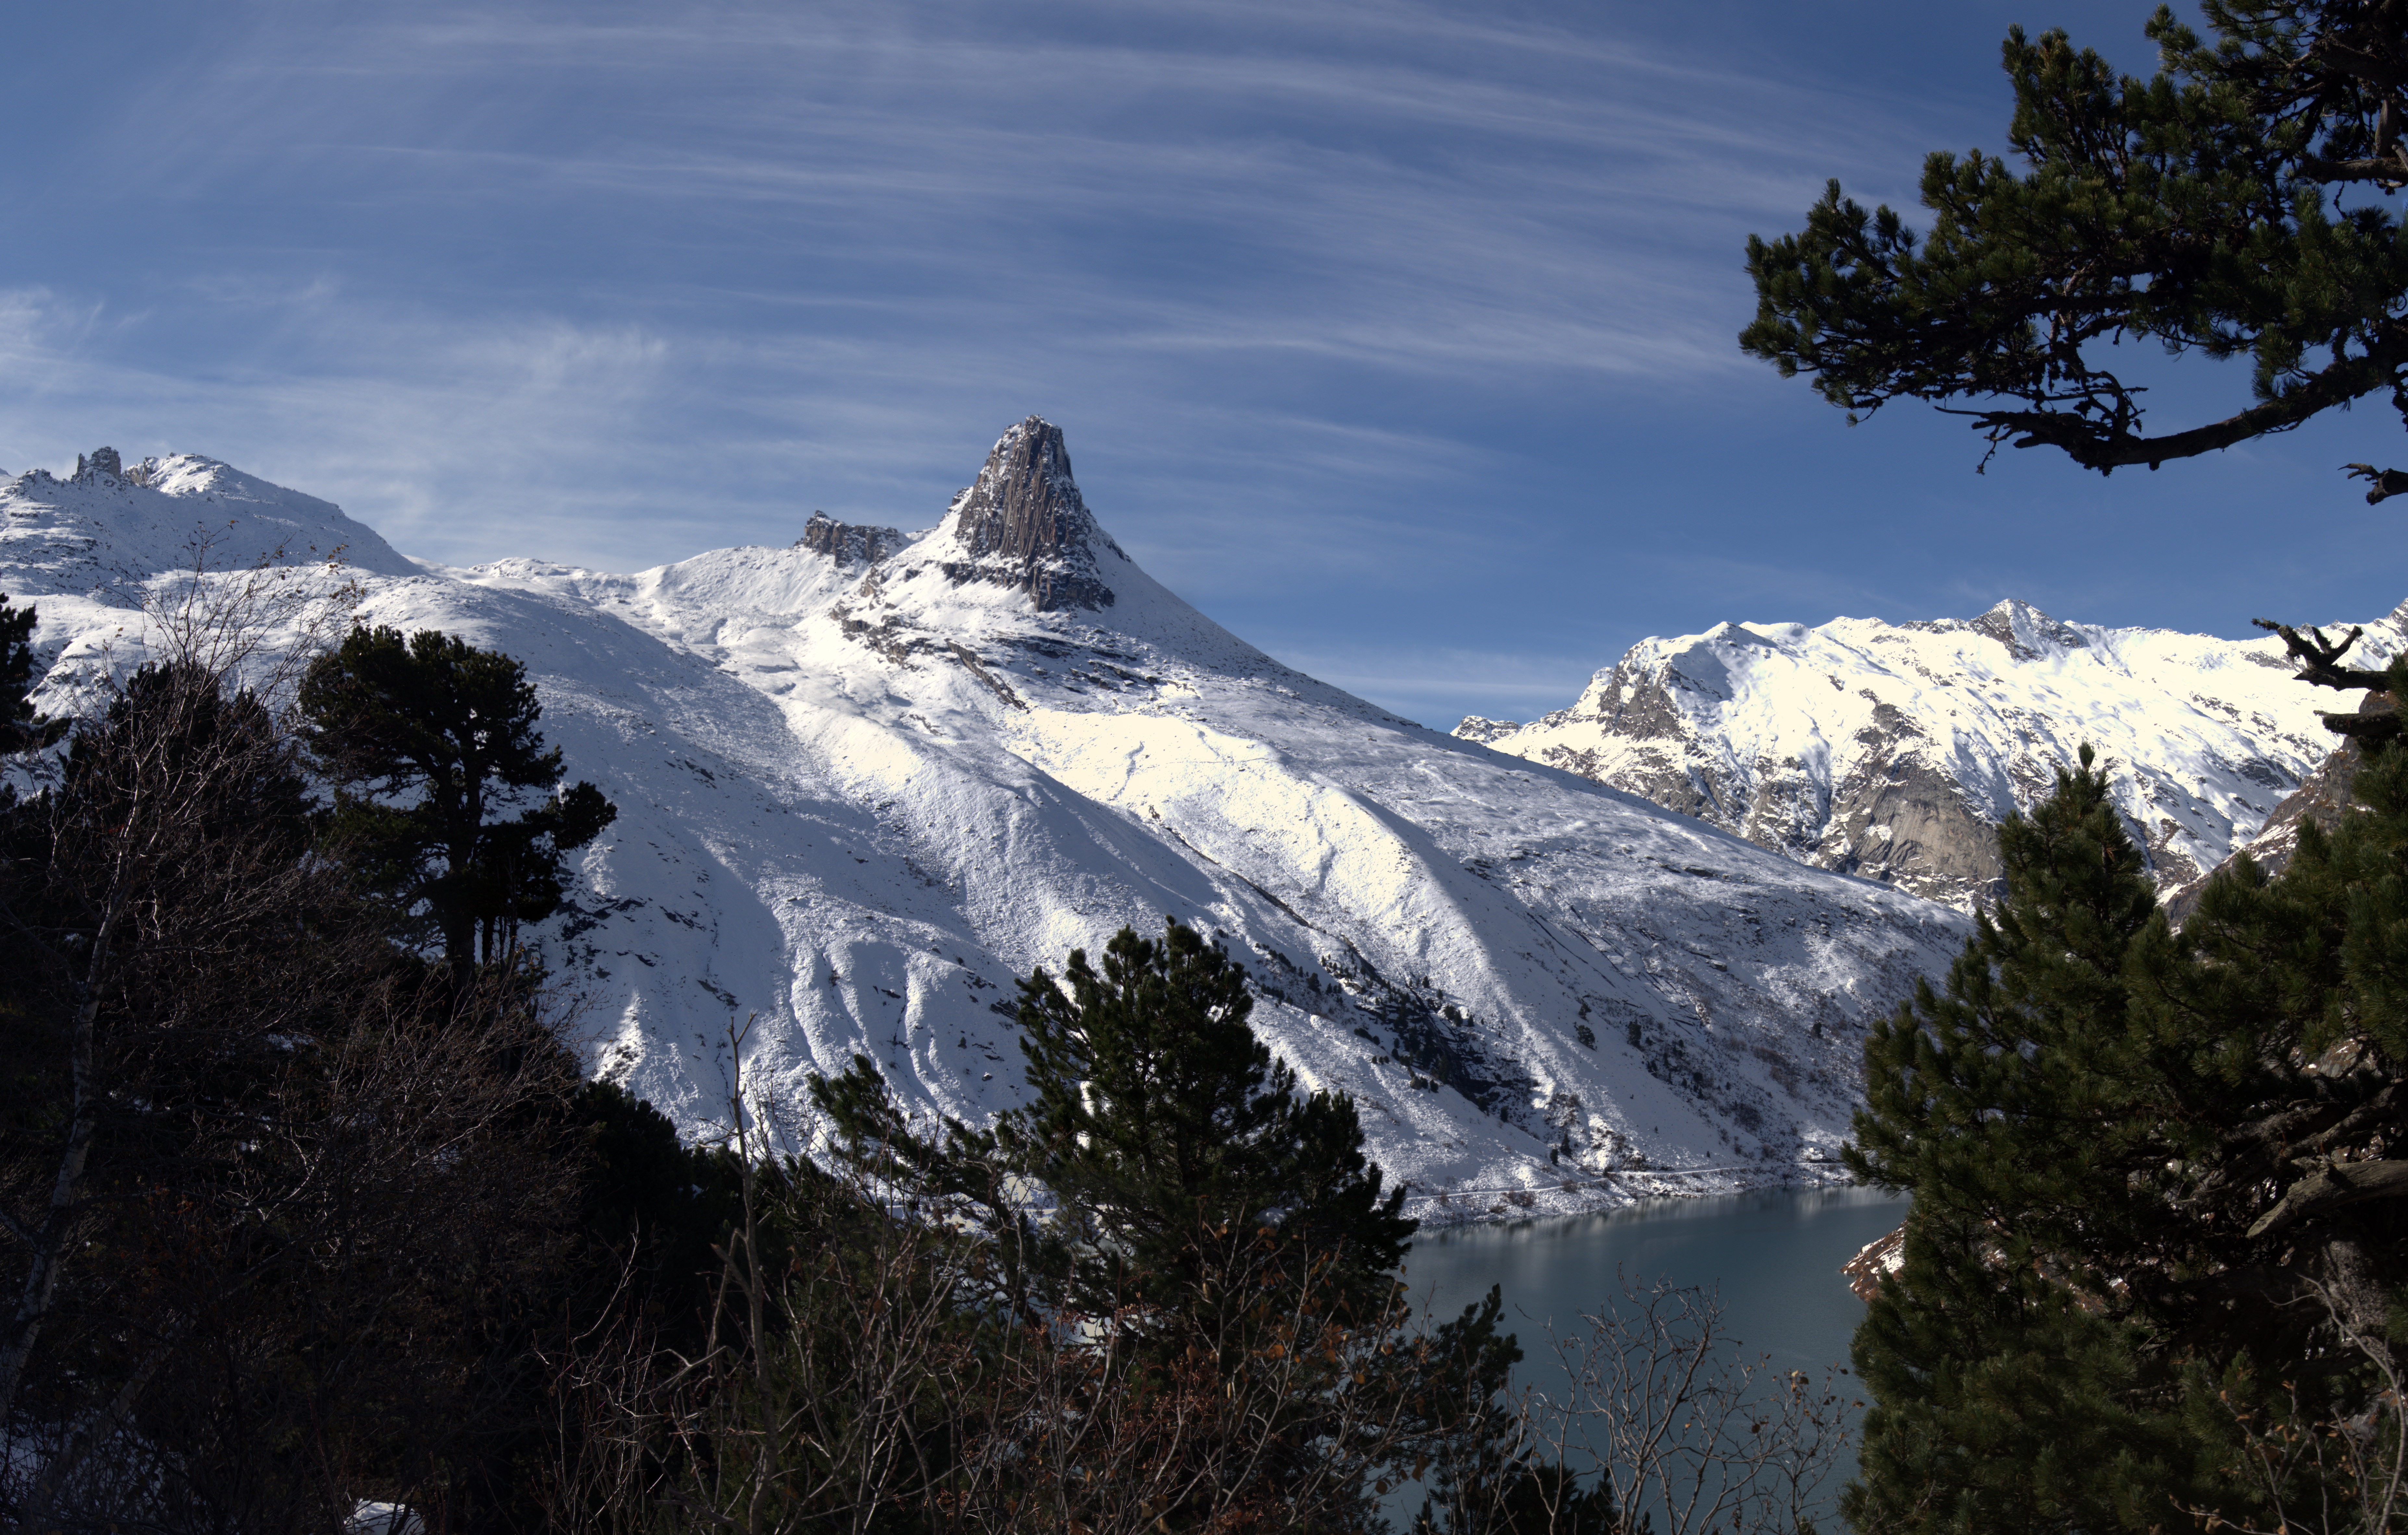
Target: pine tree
[(1176, 1144), (427, 739), (2158, 1209), (2009, 1103), (2123, 1269), (1219, 1235), (266, 1211)]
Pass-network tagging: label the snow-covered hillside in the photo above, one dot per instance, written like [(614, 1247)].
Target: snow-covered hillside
[(1893, 751), (866, 780)]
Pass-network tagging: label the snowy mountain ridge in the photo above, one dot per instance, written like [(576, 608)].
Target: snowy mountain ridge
[(867, 778), (1893, 751)]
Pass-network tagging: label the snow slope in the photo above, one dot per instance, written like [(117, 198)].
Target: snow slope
[(867, 780), (1893, 751)]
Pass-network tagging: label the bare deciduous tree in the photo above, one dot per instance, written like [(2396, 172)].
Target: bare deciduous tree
[(2317, 1474), (1667, 1417)]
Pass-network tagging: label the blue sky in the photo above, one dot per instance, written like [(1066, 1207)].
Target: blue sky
[(1397, 337)]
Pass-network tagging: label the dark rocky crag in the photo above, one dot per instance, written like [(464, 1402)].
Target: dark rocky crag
[(847, 543), (1024, 525)]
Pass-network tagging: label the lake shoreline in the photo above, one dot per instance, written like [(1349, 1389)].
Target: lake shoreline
[(1614, 1192)]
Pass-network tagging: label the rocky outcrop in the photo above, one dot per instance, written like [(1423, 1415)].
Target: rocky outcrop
[(1025, 525), (1475, 728), (847, 543), (102, 461), (1875, 1262), (1903, 822)]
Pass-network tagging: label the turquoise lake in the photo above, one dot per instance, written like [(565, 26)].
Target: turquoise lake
[(1773, 1257)]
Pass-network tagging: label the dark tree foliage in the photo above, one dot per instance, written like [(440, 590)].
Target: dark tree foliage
[(20, 728), (1170, 1135), (2155, 1212), (270, 1196), (2018, 1104), (2234, 204), (1223, 1228), (428, 740), (654, 1211), (1480, 1479), (2156, 1218)]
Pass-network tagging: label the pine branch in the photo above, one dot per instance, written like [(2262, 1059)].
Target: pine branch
[(2362, 728), (2107, 443), (2392, 168)]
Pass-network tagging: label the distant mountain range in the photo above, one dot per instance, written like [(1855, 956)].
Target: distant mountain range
[(1893, 751), (869, 778)]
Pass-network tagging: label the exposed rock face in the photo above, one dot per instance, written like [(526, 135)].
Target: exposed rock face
[(1024, 524), (1893, 751), (103, 461), (846, 543)]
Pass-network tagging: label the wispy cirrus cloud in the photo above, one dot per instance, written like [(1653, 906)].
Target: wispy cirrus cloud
[(1364, 316)]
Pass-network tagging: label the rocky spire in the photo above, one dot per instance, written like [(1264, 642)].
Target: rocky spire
[(103, 461), (1024, 524)]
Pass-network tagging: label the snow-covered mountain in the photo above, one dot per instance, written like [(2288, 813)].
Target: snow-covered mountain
[(1893, 751), (867, 779)]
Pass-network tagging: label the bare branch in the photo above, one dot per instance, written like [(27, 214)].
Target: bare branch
[(2358, 64), (2383, 483), (2343, 1184), (2321, 658)]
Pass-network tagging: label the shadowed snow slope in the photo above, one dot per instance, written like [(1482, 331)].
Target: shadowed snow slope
[(863, 785), (1893, 751)]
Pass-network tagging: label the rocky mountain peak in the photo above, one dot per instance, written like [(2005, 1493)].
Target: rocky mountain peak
[(2026, 631), (1893, 750), (1024, 524), (102, 461)]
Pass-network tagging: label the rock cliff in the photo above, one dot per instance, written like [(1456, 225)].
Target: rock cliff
[(846, 544)]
